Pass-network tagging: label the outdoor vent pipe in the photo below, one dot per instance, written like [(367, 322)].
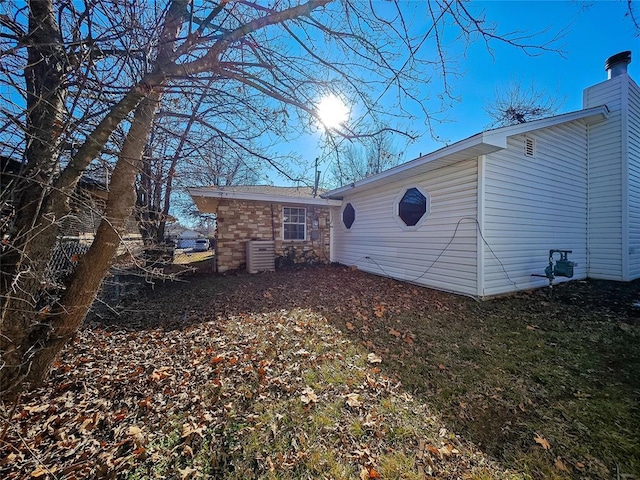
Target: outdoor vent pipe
[(617, 64)]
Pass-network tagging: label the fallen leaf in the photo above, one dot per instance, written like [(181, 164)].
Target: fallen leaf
[(433, 449), (379, 310), (364, 473), (350, 326), (373, 358), (42, 470), (560, 465), (539, 439), (447, 450), (373, 473), (395, 333), (160, 373), (353, 400), (308, 396), (186, 472)]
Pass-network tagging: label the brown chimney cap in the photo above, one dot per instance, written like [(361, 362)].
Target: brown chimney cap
[(622, 57)]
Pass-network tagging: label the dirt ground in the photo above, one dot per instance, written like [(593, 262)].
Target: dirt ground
[(547, 384)]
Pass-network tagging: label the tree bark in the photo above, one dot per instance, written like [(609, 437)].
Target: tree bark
[(29, 361), (35, 324)]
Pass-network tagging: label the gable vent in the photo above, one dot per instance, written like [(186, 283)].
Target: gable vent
[(529, 147)]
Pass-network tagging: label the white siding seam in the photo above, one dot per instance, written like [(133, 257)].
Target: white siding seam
[(332, 235)]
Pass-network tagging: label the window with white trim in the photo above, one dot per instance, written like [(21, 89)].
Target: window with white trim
[(294, 223), (411, 207), (348, 215)]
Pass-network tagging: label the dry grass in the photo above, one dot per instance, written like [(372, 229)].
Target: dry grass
[(270, 376)]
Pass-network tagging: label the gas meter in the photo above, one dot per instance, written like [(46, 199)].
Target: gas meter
[(563, 266)]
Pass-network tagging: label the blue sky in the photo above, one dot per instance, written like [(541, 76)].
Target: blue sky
[(592, 31)]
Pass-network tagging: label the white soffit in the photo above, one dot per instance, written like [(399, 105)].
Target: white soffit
[(212, 192)]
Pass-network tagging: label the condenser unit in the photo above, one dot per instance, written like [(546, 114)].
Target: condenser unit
[(261, 256)]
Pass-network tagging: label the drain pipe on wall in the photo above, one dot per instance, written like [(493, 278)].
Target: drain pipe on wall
[(273, 227)]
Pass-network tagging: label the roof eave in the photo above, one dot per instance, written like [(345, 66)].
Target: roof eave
[(476, 143), (481, 143), (207, 192)]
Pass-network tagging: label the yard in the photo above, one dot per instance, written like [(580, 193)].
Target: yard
[(328, 372)]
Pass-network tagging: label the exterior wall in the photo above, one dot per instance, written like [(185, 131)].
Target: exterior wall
[(534, 204), (441, 253), (239, 221), (633, 126), (606, 173)]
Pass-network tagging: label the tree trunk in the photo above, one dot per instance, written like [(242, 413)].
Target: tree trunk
[(28, 361)]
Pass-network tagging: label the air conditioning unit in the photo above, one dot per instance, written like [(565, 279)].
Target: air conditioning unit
[(261, 256)]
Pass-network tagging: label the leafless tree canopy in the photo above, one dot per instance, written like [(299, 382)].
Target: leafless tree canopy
[(514, 104), (358, 160)]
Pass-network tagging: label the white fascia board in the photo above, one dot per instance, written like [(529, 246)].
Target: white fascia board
[(475, 145), (206, 192), (589, 115)]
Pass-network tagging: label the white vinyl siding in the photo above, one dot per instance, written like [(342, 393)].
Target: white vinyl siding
[(606, 182), (377, 244), (532, 205), (634, 180)]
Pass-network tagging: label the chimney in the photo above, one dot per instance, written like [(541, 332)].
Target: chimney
[(617, 64)]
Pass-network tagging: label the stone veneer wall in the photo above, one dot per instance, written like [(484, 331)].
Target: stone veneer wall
[(239, 221)]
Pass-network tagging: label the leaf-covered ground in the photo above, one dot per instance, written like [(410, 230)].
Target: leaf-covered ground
[(328, 372)]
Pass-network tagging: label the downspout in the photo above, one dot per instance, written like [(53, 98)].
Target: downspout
[(480, 228), (588, 242), (273, 227)]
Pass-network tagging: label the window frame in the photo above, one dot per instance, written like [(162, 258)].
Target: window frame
[(396, 207), (303, 223), (342, 210)]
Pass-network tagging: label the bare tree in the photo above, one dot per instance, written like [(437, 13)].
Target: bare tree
[(633, 15), (516, 104), (366, 157), (94, 69)]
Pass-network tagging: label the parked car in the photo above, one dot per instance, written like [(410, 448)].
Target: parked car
[(202, 245)]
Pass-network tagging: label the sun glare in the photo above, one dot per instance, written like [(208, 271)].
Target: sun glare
[(332, 111)]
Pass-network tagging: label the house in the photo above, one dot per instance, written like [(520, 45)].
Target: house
[(294, 221), (184, 238), (479, 217), (87, 202)]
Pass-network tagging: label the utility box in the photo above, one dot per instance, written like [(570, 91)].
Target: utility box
[(261, 256)]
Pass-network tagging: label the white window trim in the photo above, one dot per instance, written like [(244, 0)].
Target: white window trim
[(295, 223), (396, 208)]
